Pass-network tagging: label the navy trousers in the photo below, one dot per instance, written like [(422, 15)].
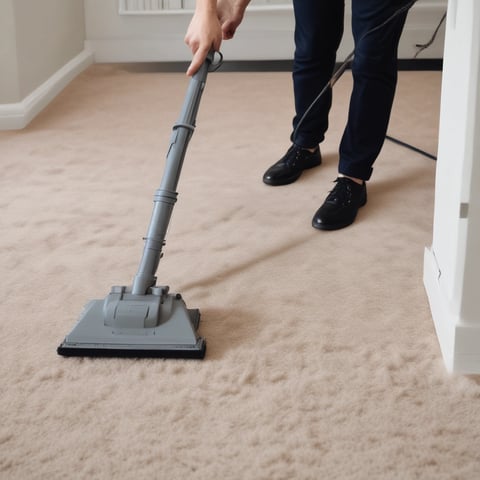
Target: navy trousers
[(318, 31)]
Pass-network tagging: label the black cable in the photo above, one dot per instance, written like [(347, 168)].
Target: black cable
[(422, 46), (410, 147)]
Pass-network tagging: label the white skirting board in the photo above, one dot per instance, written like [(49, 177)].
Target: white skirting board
[(459, 342), (14, 116)]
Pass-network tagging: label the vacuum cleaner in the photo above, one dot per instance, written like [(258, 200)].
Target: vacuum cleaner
[(145, 319)]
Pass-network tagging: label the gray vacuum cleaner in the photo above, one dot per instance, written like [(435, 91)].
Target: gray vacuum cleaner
[(145, 320)]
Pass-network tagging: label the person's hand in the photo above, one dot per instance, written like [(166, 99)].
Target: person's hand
[(230, 15), (204, 34)]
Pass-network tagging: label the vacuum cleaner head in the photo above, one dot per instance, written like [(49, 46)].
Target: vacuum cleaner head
[(157, 324)]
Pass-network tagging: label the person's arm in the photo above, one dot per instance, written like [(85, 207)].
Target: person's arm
[(204, 33), (210, 23)]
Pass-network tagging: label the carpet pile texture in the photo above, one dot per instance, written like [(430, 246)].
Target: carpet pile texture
[(322, 360)]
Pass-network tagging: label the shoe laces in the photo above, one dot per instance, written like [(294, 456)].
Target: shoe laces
[(295, 155), (342, 192)]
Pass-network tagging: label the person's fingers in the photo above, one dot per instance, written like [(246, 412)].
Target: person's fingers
[(228, 34), (198, 58), (217, 43), (228, 30)]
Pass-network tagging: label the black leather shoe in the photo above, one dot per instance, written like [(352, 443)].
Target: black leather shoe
[(341, 205), (291, 165)]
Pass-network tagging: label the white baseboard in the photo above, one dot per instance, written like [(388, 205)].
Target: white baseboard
[(265, 34), (459, 342), (15, 116)]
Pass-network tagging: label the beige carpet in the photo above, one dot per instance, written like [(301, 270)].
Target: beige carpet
[(322, 361)]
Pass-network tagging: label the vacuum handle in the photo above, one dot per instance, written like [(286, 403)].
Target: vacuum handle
[(166, 195), (185, 126)]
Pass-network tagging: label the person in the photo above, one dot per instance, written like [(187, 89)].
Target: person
[(319, 24)]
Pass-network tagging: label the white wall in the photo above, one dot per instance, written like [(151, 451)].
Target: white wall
[(9, 82), (49, 33), (266, 33), (41, 50)]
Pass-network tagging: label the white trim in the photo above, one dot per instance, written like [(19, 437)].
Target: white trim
[(444, 325), (14, 116), (458, 342)]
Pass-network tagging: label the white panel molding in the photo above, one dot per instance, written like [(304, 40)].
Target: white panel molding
[(459, 342), (15, 116)]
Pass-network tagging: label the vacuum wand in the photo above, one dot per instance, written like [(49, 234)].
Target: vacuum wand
[(166, 195)]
